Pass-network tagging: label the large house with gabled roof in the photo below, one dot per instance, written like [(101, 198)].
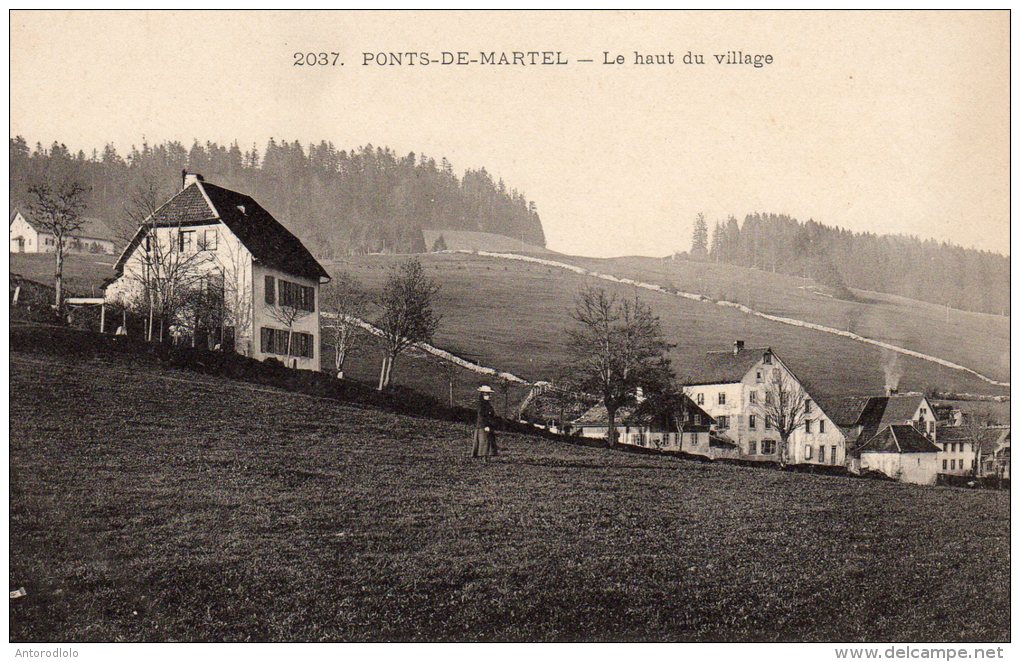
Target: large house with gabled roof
[(730, 385), (225, 246)]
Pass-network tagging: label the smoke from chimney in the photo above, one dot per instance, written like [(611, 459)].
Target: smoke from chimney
[(893, 371)]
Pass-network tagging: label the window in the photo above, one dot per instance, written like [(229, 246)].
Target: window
[(952, 465), (757, 376), (832, 454), (945, 464), (752, 447), (768, 422), (807, 452), (723, 421), (297, 296), (722, 398), (270, 290), (752, 422), (697, 419), (807, 406), (274, 341), (701, 398), (768, 446), (821, 426), (768, 397), (767, 358), (185, 241), (807, 427), (752, 397), (209, 238), (931, 427)]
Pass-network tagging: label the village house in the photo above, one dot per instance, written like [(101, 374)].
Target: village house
[(900, 451), (961, 445), (863, 417), (731, 387), (27, 236), (689, 431), (995, 461), (265, 280)]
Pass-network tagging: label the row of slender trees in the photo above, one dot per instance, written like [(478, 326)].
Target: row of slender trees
[(339, 201), (927, 270)]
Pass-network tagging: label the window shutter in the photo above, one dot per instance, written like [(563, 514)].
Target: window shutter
[(270, 290)]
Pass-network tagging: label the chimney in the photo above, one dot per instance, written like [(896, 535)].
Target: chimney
[(189, 178), (891, 390), (737, 346)]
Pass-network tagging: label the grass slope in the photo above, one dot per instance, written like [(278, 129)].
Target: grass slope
[(512, 315), (164, 506)]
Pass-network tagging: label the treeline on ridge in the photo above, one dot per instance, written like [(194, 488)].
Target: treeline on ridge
[(340, 202)]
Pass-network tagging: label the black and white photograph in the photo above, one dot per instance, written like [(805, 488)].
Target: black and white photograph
[(451, 326)]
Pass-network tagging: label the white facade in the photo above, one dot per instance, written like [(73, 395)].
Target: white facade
[(916, 468), (254, 322), (733, 405), (26, 239)]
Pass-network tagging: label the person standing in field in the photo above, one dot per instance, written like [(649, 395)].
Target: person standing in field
[(485, 433)]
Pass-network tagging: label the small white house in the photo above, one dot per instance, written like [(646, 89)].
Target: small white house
[(901, 452), (27, 236), (267, 280)]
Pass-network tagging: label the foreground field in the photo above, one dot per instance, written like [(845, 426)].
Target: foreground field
[(166, 506)]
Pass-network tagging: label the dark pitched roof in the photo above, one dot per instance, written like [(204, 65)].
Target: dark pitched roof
[(598, 415), (990, 437), (848, 411), (92, 228), (873, 413), (269, 242), (901, 408), (640, 415), (725, 367), (898, 439)]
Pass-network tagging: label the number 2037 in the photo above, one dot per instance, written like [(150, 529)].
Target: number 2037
[(317, 59)]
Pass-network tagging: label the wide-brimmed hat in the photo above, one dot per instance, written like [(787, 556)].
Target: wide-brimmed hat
[(484, 388)]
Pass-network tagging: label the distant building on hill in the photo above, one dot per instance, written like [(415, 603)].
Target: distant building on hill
[(732, 385), (28, 236), (252, 286)]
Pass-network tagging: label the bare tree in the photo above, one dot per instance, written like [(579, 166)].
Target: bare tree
[(234, 262), (783, 405), (615, 346), (449, 370), (407, 315), (169, 267), (58, 209), (974, 428), (288, 313), (346, 302)]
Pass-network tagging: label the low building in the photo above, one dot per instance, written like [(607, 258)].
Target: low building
[(900, 452), (639, 425), (961, 447), (224, 246), (862, 417), (28, 236)]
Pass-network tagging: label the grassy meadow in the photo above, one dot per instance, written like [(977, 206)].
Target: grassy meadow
[(160, 505)]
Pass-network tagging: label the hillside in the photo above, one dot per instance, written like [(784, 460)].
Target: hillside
[(511, 315), (242, 513)]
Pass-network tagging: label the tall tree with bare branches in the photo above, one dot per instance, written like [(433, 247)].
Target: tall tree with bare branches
[(344, 303), (407, 314), (615, 346), (58, 208), (783, 405), (170, 269)]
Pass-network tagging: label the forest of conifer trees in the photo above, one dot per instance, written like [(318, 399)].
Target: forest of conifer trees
[(339, 202), (924, 269)]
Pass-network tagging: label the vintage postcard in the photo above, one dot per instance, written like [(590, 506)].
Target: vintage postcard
[(510, 326)]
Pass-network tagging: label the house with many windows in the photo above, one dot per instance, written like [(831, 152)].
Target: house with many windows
[(257, 281), (733, 387)]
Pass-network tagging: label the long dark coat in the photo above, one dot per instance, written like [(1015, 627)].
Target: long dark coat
[(485, 442)]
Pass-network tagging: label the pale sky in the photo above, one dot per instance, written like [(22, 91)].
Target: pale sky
[(882, 122)]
